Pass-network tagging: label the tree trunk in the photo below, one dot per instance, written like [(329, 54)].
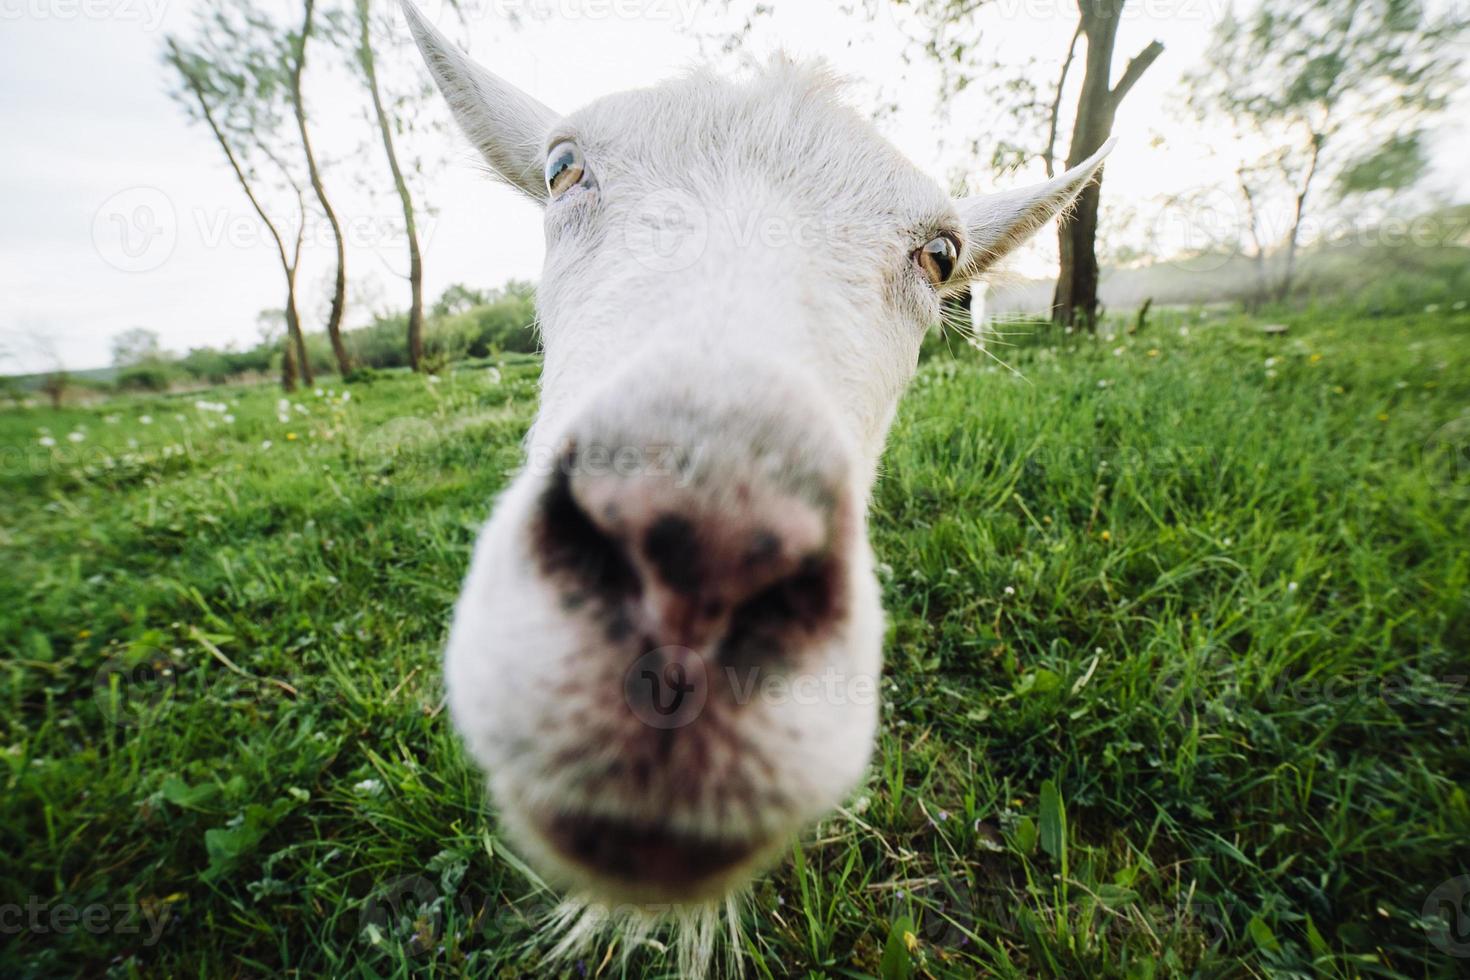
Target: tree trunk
[(288, 264), (1292, 239), (294, 332), (339, 292), (415, 261), (288, 363), (1097, 105)]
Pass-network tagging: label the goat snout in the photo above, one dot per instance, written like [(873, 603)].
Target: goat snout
[(735, 570)]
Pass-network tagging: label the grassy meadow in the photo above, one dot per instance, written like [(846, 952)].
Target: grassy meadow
[(1178, 674)]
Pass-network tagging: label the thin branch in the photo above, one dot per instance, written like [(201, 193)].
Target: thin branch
[(195, 86), (1135, 70), (1049, 158)]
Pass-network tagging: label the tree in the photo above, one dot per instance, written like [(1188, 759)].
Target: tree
[(232, 80), (1037, 113), (1097, 107), (366, 61), (1336, 91), (457, 298), (298, 47), (136, 346)]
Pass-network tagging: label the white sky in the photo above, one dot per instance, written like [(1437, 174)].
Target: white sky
[(91, 147)]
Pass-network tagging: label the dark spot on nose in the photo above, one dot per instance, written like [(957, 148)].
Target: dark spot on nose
[(764, 547), (571, 544), (671, 547)]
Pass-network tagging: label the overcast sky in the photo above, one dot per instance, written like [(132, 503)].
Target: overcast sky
[(117, 213)]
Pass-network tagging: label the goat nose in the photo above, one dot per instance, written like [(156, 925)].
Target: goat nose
[(731, 568)]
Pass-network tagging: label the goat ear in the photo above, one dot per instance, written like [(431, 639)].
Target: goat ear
[(997, 223), (506, 125)]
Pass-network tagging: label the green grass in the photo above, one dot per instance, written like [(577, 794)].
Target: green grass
[(1178, 676)]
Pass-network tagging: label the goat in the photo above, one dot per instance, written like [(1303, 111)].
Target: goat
[(667, 648)]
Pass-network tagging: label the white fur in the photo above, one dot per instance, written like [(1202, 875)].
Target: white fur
[(744, 247)]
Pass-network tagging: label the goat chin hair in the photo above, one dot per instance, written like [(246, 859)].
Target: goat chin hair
[(705, 939)]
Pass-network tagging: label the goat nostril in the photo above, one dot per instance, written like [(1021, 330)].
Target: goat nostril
[(572, 544), (803, 602)]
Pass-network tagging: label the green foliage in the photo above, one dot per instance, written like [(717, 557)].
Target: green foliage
[(1176, 673), (1399, 163)]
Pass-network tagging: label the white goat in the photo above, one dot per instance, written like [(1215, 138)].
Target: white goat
[(667, 649)]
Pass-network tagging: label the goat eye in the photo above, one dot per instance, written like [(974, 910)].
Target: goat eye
[(937, 259), (564, 169)]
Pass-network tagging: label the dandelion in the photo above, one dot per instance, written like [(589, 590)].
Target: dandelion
[(1314, 358), (84, 634), (265, 445), (76, 436), (1106, 536), (1383, 416), (290, 437), (145, 420), (47, 441), (1010, 590), (1339, 389), (1153, 352)]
